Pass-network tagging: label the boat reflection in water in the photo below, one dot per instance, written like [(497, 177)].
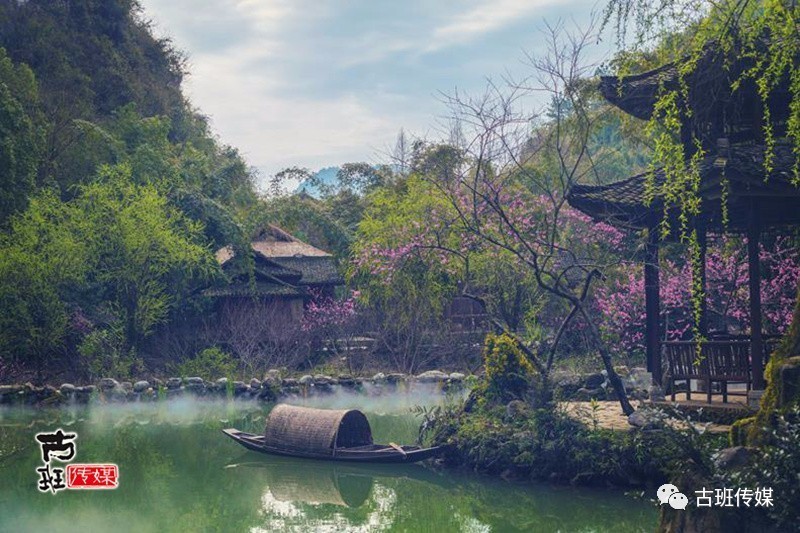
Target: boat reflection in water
[(311, 495), (302, 494), (319, 482)]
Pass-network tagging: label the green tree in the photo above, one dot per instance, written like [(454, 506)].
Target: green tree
[(21, 135), (117, 250), (145, 254)]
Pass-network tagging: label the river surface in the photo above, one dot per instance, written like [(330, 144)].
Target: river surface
[(178, 472)]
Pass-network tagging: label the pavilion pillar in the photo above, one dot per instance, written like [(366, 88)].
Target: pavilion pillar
[(702, 322), (702, 241), (652, 306), (754, 284)]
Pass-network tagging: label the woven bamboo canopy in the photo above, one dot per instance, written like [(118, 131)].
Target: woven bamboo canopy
[(318, 432)]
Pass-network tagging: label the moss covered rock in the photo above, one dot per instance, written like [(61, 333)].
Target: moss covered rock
[(788, 393), (781, 395), (783, 389)]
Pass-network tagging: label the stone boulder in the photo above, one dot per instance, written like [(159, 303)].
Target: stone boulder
[(322, 380), (196, 386), (107, 384), (566, 384), (733, 458), (594, 381), (645, 419), (117, 394), (432, 376), (268, 391), (346, 380), (583, 394), (239, 388)]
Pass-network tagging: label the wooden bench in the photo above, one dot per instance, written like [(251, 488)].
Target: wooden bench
[(721, 362)]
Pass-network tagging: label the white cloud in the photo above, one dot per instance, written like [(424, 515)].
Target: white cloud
[(374, 48), (483, 18), (256, 110), (267, 13), (275, 130), (310, 83)]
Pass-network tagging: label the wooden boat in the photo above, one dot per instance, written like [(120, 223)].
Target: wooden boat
[(333, 435)]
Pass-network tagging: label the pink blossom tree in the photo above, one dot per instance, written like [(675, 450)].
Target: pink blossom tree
[(502, 190), (620, 302), (330, 323)]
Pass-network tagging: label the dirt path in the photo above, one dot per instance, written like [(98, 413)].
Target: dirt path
[(608, 414)]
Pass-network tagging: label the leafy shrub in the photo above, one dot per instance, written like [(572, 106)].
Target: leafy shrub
[(777, 466), (508, 371), (8, 371), (104, 354), (209, 364), (548, 444)]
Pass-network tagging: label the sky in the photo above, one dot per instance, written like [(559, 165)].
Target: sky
[(320, 83)]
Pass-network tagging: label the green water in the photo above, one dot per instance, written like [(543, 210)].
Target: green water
[(178, 472)]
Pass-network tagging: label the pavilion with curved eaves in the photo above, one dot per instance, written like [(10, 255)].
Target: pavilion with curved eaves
[(729, 128)]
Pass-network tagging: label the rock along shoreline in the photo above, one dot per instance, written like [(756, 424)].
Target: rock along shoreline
[(271, 388)]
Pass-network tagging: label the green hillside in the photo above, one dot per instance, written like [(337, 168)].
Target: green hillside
[(113, 191)]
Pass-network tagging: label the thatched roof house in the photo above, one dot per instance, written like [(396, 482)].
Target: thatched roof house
[(287, 272), (284, 266)]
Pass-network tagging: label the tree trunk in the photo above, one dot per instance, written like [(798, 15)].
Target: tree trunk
[(613, 377)]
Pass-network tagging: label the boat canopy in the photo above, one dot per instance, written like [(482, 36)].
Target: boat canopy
[(318, 432)]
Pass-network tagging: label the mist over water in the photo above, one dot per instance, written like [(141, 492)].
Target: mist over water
[(375, 400), (178, 472), (378, 399)]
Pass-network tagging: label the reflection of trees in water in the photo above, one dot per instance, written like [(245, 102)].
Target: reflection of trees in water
[(179, 473), (172, 475), (11, 442), (407, 498), (506, 506), (374, 514)]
